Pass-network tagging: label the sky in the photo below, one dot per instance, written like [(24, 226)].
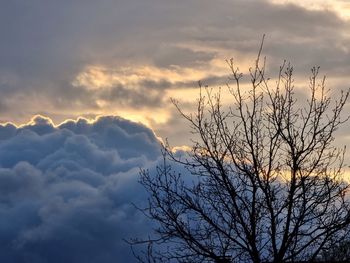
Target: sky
[(85, 99)]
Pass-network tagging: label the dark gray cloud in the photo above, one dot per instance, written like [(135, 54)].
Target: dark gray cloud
[(66, 191), (168, 56), (144, 96)]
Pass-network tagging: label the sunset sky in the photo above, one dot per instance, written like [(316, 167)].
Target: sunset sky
[(85, 58), (65, 59)]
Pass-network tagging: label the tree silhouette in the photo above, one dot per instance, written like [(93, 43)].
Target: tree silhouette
[(264, 179), (340, 252)]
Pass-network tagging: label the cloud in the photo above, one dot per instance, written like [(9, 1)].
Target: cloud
[(66, 190), (47, 45), (67, 187)]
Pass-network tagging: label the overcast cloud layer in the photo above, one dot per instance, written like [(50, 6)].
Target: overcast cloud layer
[(70, 58), (66, 191)]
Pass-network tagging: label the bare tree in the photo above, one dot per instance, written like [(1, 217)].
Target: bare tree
[(264, 179), (338, 253)]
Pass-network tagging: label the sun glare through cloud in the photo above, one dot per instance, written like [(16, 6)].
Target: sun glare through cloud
[(341, 7)]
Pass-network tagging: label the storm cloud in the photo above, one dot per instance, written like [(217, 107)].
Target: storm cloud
[(66, 191)]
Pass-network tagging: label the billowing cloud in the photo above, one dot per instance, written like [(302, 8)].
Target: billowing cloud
[(66, 191)]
